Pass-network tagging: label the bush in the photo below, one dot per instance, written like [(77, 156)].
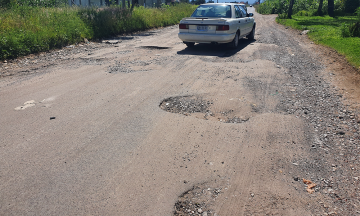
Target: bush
[(345, 31), (353, 29), (283, 16)]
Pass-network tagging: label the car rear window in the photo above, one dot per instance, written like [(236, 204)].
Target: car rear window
[(213, 11)]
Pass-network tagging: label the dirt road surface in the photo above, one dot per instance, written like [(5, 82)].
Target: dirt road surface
[(146, 126)]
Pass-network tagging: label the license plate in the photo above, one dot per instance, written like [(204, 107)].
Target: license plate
[(202, 28)]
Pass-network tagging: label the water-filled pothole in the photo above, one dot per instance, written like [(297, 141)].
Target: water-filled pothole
[(199, 107)]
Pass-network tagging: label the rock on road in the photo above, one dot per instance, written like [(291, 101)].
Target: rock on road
[(149, 127)]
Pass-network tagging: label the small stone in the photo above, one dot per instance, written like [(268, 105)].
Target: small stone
[(200, 210), (204, 214), (304, 32), (252, 195)]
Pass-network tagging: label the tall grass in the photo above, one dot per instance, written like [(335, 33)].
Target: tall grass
[(27, 29), (110, 21)]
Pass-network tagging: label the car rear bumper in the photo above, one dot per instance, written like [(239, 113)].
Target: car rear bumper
[(206, 38)]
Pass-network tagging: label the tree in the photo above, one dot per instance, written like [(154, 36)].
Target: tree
[(331, 8), (319, 12), (351, 5), (290, 8)]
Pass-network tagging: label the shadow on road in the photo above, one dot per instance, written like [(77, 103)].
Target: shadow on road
[(221, 50)]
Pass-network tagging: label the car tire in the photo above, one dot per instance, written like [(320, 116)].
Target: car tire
[(251, 36), (235, 42), (189, 44)]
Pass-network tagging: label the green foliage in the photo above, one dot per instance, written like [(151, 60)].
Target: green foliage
[(114, 20), (198, 2), (345, 30), (26, 29), (352, 29), (351, 5), (302, 6), (328, 31), (32, 3)]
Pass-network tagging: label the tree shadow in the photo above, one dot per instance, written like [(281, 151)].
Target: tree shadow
[(221, 50)]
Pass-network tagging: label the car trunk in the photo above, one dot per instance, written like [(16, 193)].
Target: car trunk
[(203, 25)]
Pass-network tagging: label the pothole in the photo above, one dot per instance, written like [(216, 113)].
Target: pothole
[(198, 200), (201, 108), (185, 105), (237, 120), (119, 69), (154, 47)]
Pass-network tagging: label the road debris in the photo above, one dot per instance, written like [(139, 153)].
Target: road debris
[(310, 185)]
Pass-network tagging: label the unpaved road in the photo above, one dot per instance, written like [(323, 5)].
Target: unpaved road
[(150, 127)]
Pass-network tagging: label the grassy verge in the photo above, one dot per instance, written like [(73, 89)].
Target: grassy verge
[(327, 31), (25, 30)]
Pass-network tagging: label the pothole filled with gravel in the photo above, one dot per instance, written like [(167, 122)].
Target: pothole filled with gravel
[(197, 201), (186, 105), (200, 108)]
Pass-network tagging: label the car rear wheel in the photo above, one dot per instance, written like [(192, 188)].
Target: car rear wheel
[(251, 36), (235, 42), (189, 44)]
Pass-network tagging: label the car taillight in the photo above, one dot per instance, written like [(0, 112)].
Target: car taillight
[(222, 28), (183, 26)]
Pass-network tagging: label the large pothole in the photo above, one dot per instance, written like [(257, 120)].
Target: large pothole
[(199, 107)]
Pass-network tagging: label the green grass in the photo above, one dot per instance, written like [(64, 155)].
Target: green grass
[(327, 31), (25, 30)]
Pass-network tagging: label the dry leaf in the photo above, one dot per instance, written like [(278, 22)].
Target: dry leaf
[(310, 185), (310, 191), (307, 181)]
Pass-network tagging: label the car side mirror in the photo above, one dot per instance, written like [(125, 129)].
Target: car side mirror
[(250, 14)]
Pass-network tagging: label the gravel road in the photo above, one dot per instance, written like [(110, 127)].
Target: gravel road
[(143, 125)]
